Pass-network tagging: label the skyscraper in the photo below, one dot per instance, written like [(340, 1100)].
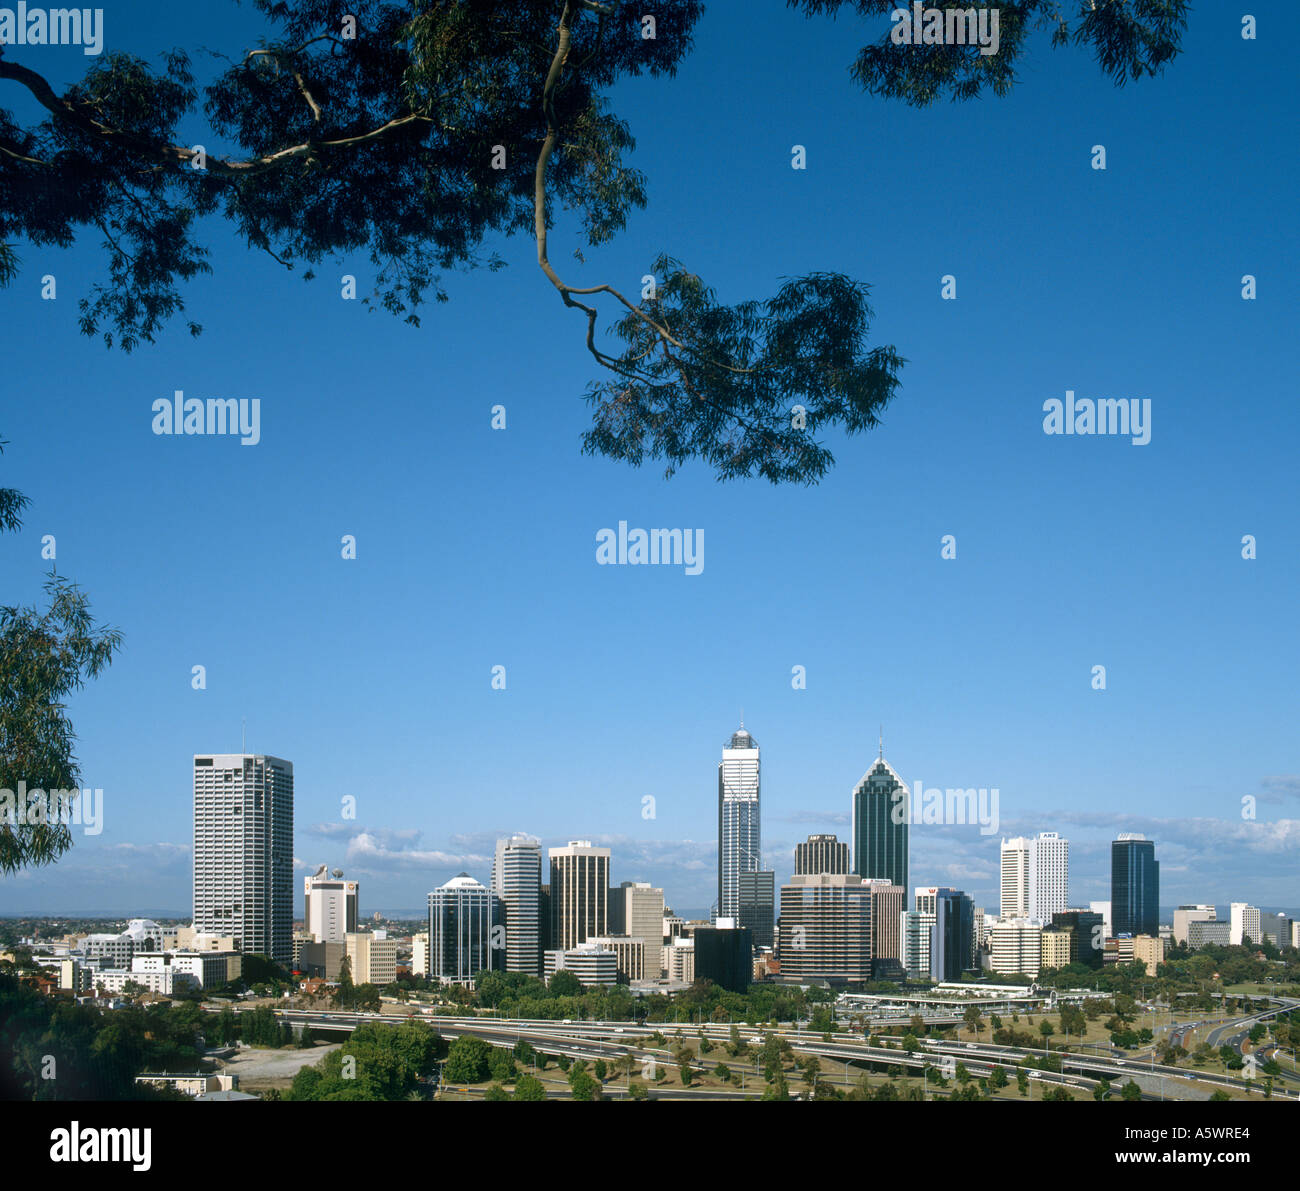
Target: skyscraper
[(329, 906), (739, 836), (517, 881), (826, 927), (952, 935), (1134, 885), (243, 851), (821, 854), (579, 894), (1035, 876), (463, 920), (758, 906), (880, 824)]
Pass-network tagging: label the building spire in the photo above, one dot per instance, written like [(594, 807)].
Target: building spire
[(882, 742)]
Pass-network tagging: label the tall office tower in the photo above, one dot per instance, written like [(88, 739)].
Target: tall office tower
[(1244, 924), (1134, 885), (914, 929), (640, 915), (517, 881), (1103, 908), (826, 927), (329, 906), (951, 935), (1087, 931), (758, 906), (1035, 876), (880, 824), (887, 903), (739, 834), (243, 851), (1185, 915), (821, 854), (465, 921), (579, 894)]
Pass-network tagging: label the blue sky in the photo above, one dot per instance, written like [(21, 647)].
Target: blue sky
[(476, 547)]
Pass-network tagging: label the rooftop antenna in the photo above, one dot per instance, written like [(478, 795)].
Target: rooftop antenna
[(243, 735), (882, 742)]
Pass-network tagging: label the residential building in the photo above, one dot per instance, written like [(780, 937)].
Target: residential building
[(243, 851), (517, 881), (629, 956)]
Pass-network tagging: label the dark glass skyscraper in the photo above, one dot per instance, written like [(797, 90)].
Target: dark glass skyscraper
[(880, 824), (952, 936), (1134, 886)]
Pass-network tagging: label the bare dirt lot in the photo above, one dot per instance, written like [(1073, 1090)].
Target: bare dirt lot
[(259, 1068)]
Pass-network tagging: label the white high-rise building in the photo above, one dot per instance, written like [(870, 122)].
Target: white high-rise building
[(517, 881), (1185, 915), (1035, 876), (329, 906), (243, 851), (1244, 923), (1103, 908), (1016, 945), (739, 828)]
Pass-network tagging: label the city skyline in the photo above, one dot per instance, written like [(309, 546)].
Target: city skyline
[(375, 673), (946, 847)]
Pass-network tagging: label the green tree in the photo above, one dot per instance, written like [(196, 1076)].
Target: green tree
[(529, 1088), (583, 1086), (46, 655), (468, 1060), (565, 984), (1130, 1091), (496, 1092), (384, 143), (501, 1065)]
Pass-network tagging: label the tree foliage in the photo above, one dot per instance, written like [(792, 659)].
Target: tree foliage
[(46, 655)]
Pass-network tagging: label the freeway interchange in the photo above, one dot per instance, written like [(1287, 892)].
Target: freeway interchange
[(592, 1040)]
